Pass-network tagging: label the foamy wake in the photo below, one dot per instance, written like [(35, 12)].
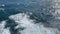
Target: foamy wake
[(30, 28), (2, 30)]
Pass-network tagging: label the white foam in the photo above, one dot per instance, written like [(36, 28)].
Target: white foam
[(31, 28), (2, 30)]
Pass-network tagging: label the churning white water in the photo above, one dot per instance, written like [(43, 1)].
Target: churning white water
[(2, 30), (31, 28)]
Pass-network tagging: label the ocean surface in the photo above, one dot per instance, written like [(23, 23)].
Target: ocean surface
[(29, 17)]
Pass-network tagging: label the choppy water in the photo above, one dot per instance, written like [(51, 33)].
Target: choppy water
[(29, 17), (27, 25)]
